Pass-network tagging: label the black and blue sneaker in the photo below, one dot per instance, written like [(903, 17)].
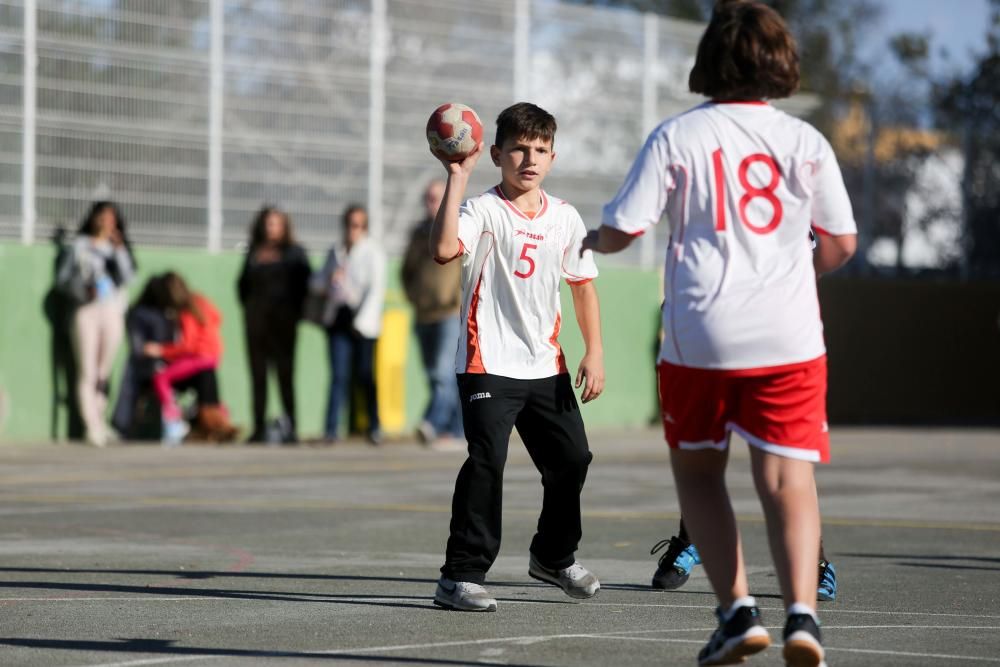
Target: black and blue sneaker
[(742, 635), (803, 645), (674, 567), (827, 591)]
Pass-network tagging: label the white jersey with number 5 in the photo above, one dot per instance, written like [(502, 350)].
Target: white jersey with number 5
[(741, 185), (511, 270)]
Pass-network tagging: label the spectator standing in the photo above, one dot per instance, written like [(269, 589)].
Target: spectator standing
[(435, 292), (95, 274), (272, 288), (353, 279)]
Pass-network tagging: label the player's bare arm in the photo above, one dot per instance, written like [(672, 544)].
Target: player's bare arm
[(443, 242), (606, 240), (832, 252), (590, 374)]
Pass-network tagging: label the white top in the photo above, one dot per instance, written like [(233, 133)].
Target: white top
[(741, 184), (93, 258), (511, 268), (363, 289)]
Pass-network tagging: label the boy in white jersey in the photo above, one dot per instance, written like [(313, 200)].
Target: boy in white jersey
[(741, 184), (516, 243)]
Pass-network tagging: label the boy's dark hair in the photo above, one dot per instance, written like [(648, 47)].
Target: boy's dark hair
[(524, 120), (746, 53)]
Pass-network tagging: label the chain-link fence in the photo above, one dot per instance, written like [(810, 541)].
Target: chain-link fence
[(193, 113)]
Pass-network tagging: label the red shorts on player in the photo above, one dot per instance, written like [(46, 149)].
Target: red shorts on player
[(781, 409)]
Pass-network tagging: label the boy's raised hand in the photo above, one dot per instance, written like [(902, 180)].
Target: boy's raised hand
[(465, 166)]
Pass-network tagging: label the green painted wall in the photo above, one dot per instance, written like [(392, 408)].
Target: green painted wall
[(629, 302)]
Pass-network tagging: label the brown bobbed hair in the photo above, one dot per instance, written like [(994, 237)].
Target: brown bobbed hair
[(746, 53), (179, 296), (524, 120), (258, 231)]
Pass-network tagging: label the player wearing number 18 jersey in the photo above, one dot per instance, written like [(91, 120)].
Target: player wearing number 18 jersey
[(741, 184), (516, 245)]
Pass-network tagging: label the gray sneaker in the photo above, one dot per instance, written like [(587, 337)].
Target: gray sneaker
[(463, 596), (576, 580)]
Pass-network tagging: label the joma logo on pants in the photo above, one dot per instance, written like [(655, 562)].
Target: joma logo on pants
[(482, 394)]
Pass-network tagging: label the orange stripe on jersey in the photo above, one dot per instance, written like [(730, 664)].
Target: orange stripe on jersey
[(473, 356), (560, 358)]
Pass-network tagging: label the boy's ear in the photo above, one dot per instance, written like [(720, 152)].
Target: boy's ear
[(495, 154)]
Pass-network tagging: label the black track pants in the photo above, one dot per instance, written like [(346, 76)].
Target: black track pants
[(547, 418)]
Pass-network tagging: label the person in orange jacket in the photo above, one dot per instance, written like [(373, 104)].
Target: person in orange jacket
[(198, 348)]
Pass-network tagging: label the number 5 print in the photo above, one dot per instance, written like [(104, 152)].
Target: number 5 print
[(529, 260)]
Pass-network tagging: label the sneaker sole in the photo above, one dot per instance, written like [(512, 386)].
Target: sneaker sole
[(825, 597), (744, 646), (452, 607), (575, 594), (670, 583), (803, 652)]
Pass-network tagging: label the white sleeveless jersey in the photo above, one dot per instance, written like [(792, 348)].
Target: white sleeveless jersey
[(511, 269), (741, 185)]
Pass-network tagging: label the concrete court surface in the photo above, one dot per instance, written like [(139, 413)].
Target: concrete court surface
[(136, 555)]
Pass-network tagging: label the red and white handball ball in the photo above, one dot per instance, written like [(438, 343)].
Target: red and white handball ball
[(453, 131)]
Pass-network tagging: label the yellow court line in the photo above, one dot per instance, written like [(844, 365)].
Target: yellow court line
[(636, 515)]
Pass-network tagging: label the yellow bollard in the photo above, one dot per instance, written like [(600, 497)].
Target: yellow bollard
[(390, 369)]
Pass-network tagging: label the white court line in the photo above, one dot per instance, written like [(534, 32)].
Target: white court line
[(154, 661)]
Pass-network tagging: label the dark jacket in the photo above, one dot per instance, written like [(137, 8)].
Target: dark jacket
[(275, 290), (142, 325), (435, 290)]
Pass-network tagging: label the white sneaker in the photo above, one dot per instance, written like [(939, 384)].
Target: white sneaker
[(174, 431), (426, 433), (576, 580), (463, 596)]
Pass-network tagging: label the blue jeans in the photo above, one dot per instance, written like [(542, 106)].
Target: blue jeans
[(438, 342), (351, 358)]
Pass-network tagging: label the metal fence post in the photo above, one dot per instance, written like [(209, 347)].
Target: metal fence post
[(215, 108), (376, 118), (28, 211), (650, 51), (522, 44)]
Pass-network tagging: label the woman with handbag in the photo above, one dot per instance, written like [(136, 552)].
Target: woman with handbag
[(95, 274), (353, 279), (272, 288)]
